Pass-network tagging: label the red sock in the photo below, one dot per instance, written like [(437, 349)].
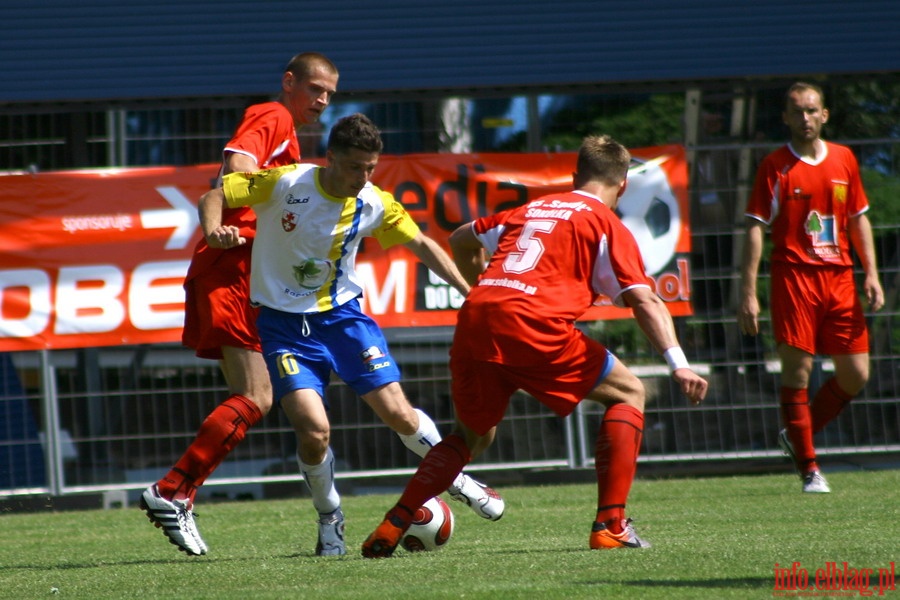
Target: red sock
[(795, 415), (219, 433), (435, 473), (827, 404), (618, 445)]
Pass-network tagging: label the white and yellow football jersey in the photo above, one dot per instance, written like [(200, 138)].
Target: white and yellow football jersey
[(304, 254)]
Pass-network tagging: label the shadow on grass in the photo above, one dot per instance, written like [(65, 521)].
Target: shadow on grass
[(739, 583), (176, 560)]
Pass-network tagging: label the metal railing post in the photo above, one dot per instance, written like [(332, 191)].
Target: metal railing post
[(52, 437)]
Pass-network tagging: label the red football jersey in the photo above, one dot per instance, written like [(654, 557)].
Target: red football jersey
[(268, 135), (551, 258), (808, 205)]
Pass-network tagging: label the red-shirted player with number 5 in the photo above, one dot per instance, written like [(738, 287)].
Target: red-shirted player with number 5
[(550, 259)]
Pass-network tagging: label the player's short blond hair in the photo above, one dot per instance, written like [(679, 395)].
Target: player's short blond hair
[(601, 158)]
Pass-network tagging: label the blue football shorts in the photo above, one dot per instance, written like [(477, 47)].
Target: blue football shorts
[(302, 350)]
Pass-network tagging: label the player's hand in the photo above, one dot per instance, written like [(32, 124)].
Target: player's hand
[(748, 315), (692, 385), (225, 236), (874, 293)]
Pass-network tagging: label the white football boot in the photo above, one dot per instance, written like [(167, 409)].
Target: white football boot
[(176, 519), (480, 498)]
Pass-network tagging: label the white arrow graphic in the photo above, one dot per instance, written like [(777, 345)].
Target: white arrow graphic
[(182, 217)]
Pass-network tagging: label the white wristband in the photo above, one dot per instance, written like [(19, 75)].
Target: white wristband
[(676, 359)]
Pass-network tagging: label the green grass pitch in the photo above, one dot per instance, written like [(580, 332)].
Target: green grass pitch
[(717, 537)]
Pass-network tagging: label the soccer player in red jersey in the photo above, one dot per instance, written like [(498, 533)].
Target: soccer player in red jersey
[(810, 195), (220, 324), (550, 260)]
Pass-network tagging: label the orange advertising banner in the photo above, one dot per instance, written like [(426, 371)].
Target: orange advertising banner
[(97, 258)]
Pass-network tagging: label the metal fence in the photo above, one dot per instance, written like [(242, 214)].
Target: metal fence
[(104, 419), (117, 418)]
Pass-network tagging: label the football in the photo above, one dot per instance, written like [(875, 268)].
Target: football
[(431, 528)]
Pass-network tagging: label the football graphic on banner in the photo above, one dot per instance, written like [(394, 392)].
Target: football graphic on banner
[(650, 211)]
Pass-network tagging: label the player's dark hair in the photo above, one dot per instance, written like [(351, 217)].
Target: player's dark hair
[(302, 64), (355, 131), (802, 86), (601, 158)]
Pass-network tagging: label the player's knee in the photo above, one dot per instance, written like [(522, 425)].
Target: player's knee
[(620, 386), (262, 400), (853, 383), (312, 446), (636, 395), (479, 443), (851, 373), (403, 422), (393, 408)]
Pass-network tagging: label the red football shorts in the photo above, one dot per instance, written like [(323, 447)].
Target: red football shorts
[(217, 309), (482, 390), (817, 309)]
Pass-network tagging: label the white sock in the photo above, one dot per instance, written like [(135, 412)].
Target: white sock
[(425, 437), (320, 481)]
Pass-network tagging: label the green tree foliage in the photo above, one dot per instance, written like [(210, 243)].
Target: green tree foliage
[(883, 191), (866, 109), (869, 109), (635, 121)]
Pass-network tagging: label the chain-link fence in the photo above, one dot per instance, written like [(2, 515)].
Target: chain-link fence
[(100, 419)]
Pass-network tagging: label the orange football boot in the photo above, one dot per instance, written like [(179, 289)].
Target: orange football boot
[(602, 538)]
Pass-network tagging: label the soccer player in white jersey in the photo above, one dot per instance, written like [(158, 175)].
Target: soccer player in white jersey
[(310, 222)]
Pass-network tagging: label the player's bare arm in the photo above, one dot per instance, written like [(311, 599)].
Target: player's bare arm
[(864, 245), (468, 253), (748, 302), (217, 235), (654, 319), (435, 258), (235, 162)]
